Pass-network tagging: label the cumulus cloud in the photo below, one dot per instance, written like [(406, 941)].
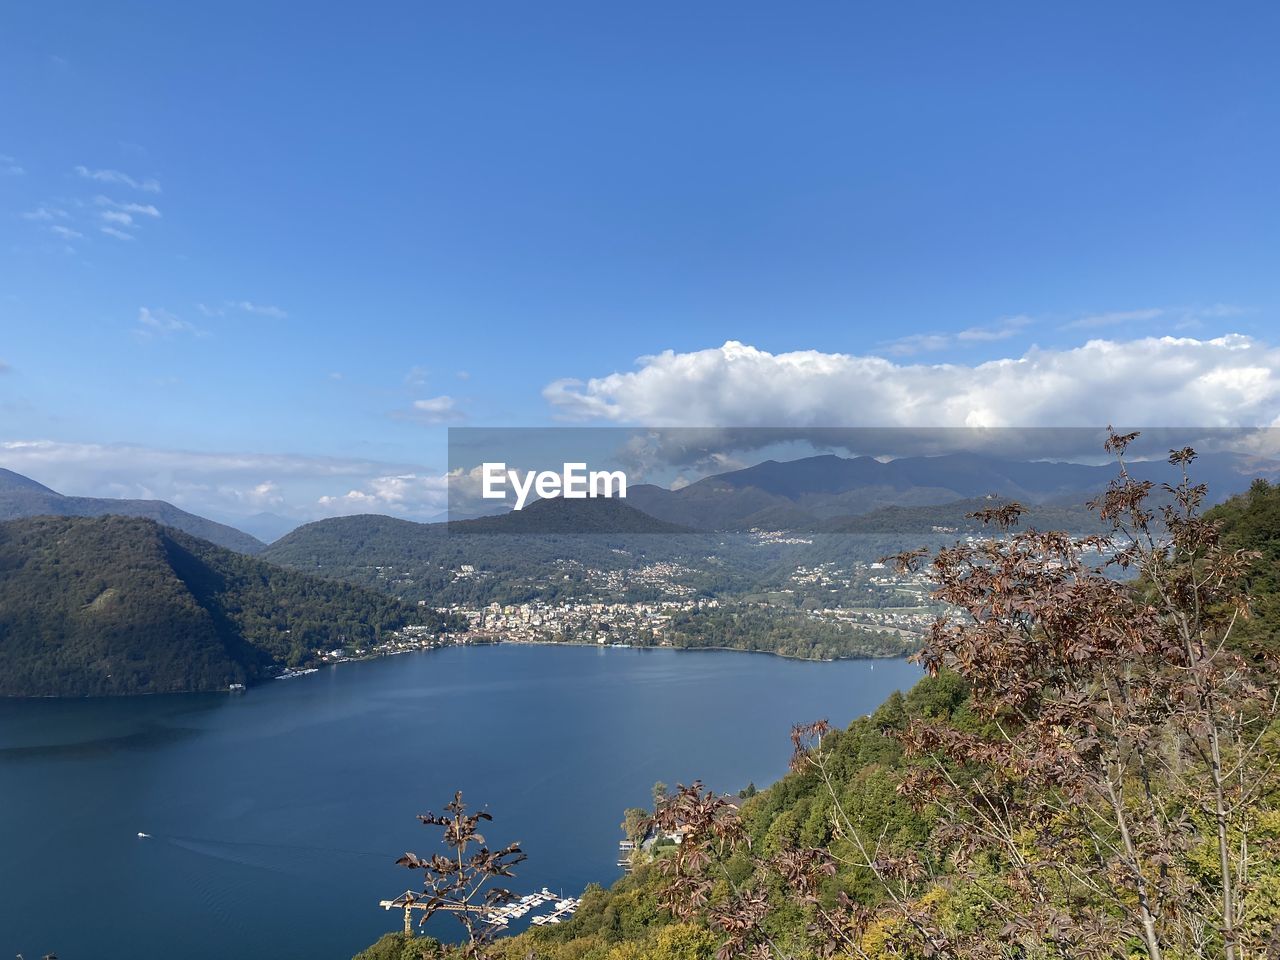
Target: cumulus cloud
[(115, 176), (408, 494), (1232, 380)]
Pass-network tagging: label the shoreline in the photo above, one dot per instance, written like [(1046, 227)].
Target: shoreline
[(712, 649), (267, 681)]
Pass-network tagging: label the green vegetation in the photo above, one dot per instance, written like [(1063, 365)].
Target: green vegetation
[(1089, 772), (1251, 521), (762, 629), (118, 605)]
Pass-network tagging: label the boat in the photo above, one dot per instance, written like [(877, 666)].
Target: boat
[(143, 836)]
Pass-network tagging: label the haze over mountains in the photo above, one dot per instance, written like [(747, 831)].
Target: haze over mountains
[(815, 493), (151, 601), (23, 497), (825, 493)]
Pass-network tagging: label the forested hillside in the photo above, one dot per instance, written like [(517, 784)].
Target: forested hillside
[(118, 605), (1089, 772), (1251, 521)]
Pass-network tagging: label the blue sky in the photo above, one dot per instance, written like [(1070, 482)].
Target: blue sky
[(249, 250)]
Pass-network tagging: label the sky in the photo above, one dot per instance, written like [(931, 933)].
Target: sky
[(258, 261)]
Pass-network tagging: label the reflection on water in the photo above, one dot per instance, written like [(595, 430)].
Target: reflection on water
[(275, 817)]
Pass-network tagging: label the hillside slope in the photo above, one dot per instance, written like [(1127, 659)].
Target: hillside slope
[(118, 605), (866, 765)]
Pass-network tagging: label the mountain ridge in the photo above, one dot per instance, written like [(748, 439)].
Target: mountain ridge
[(20, 497)]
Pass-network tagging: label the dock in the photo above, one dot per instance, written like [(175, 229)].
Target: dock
[(563, 911)]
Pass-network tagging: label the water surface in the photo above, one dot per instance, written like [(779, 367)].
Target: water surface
[(276, 816)]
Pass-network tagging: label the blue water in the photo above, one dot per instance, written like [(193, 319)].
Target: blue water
[(276, 816)]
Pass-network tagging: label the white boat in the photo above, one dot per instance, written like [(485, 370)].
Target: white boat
[(143, 836)]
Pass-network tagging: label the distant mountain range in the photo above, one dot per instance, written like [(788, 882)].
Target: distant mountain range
[(23, 497), (95, 604), (823, 492), (560, 516), (820, 494)]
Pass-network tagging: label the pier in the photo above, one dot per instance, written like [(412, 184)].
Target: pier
[(412, 900)]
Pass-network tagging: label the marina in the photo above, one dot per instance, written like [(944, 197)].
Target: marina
[(563, 911), (499, 917)]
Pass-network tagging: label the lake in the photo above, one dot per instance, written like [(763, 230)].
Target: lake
[(276, 816)]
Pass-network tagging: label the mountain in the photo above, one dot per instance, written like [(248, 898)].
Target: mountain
[(704, 527), (811, 492), (121, 605), (956, 517), (556, 515), (23, 497), (535, 553)]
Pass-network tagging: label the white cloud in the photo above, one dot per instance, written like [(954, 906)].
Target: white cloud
[(161, 324), (230, 483), (10, 167), (138, 209), (260, 309), (431, 410), (1156, 381), (243, 306), (121, 217), (66, 233), (1114, 318), (409, 494), (1180, 318), (115, 176), (918, 343), (45, 214), (930, 342)]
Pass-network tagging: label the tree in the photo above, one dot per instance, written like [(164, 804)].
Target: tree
[(659, 793), (1112, 799), (633, 823), (463, 881), (1111, 794)]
